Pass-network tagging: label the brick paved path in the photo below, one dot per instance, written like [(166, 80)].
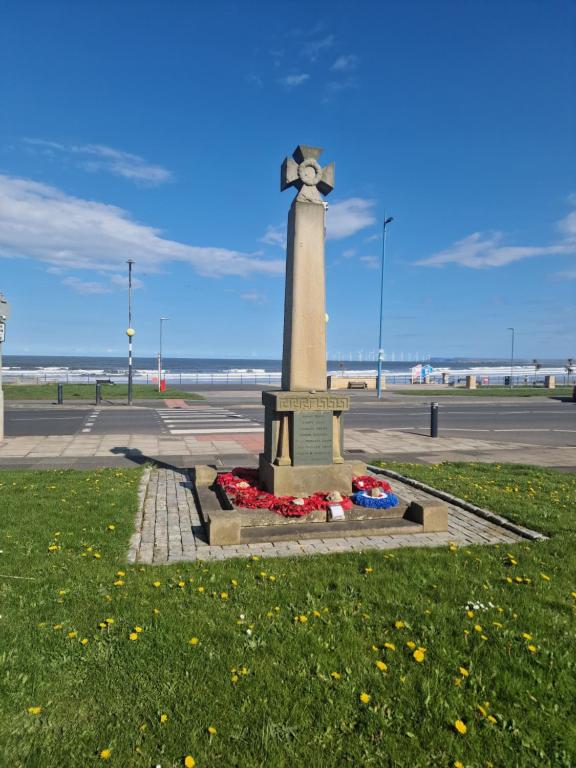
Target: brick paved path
[(169, 528)]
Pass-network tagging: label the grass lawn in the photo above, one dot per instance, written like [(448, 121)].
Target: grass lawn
[(88, 392), (309, 661), (487, 391)]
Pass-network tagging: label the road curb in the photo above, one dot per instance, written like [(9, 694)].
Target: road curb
[(503, 522), (136, 538)]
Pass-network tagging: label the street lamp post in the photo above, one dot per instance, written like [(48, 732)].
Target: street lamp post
[(380, 350), (4, 315), (130, 331), (512, 357), (160, 355)]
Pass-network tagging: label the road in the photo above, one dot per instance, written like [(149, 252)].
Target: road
[(537, 421)]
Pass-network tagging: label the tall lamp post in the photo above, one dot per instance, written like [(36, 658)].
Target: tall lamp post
[(380, 350), (160, 356), (4, 315), (130, 331), (512, 357)]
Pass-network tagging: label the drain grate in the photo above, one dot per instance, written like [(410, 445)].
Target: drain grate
[(355, 450)]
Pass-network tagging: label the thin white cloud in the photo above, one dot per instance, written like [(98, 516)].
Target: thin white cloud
[(274, 236), (314, 48), (371, 262), (98, 157), (39, 221), (85, 286), (347, 217), (345, 63), (349, 253), (481, 250), (254, 297), (292, 81), (567, 274)]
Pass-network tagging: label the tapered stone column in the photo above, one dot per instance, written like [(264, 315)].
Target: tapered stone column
[(303, 423)]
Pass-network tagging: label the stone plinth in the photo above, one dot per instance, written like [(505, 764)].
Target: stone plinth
[(550, 382), (303, 443), (470, 382)]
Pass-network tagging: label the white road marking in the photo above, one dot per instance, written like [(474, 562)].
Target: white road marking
[(215, 431)]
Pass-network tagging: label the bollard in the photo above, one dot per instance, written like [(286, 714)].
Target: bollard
[(98, 394), (433, 419), (60, 394)]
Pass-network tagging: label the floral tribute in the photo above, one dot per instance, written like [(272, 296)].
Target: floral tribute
[(364, 495), (241, 486)]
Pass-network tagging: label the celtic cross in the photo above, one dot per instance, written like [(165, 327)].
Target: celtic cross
[(304, 172)]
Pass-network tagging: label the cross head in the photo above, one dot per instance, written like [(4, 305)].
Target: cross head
[(303, 171)]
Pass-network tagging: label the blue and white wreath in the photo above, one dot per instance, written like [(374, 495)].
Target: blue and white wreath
[(387, 500)]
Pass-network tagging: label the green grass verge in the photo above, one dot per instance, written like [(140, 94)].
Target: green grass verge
[(88, 392), (487, 391), (263, 679)]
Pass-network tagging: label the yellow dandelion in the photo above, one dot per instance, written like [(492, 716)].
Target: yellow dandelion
[(457, 681), (34, 710), (478, 627), (156, 611), (109, 621), (453, 547), (111, 527), (119, 583), (458, 764), (105, 754), (335, 675), (200, 589), (234, 678), (526, 636), (71, 635), (545, 577), (224, 595), (368, 570), (133, 635), (463, 671), (193, 641), (482, 710), (163, 718), (365, 698), (234, 583), (381, 666), (418, 655), (399, 624), (460, 727), (189, 762), (411, 644), (84, 641), (491, 719), (390, 646), (57, 626), (532, 648), (181, 584), (470, 614), (156, 584), (212, 731)]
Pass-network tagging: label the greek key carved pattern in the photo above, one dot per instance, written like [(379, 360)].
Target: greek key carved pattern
[(312, 404)]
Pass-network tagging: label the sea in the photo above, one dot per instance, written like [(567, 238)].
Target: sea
[(188, 370)]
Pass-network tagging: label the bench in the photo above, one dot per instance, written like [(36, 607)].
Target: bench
[(104, 381), (357, 385)]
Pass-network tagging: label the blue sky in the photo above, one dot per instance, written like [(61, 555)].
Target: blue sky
[(156, 130)]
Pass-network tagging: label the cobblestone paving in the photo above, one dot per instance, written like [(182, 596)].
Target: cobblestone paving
[(169, 528)]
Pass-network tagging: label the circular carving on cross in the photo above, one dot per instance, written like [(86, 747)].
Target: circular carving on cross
[(310, 172)]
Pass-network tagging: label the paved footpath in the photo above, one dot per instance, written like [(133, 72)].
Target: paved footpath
[(232, 448), (169, 528)]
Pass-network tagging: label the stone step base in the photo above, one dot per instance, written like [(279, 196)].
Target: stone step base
[(301, 531)]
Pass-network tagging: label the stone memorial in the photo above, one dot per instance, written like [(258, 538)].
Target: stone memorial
[(303, 435)]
